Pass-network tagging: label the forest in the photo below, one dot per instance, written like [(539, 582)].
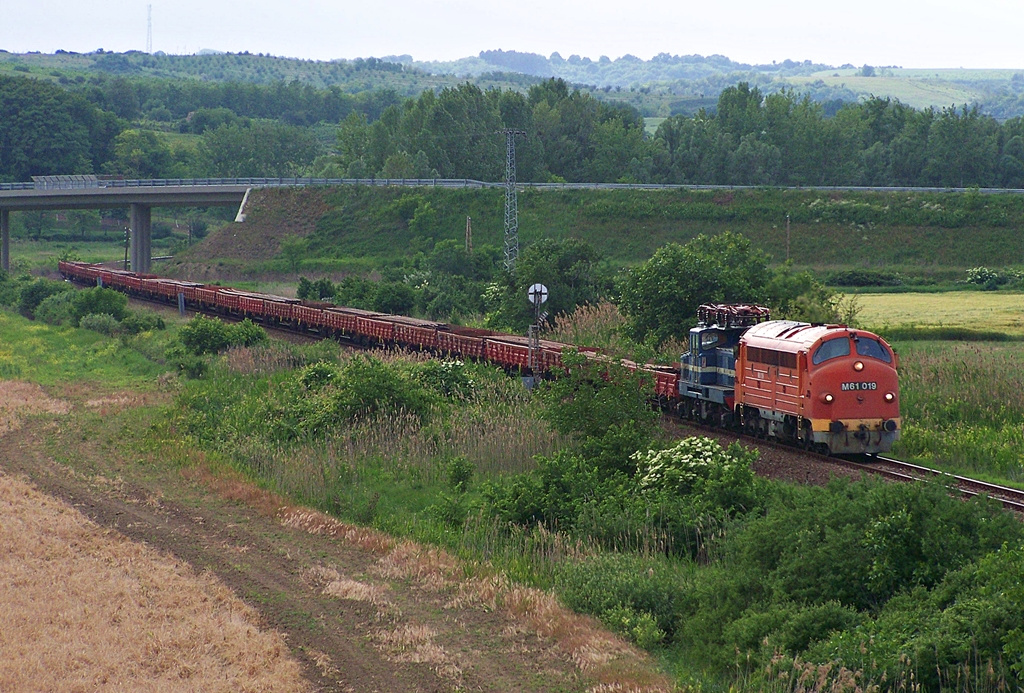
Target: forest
[(147, 127)]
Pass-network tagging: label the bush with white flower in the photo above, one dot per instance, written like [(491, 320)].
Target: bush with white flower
[(700, 468)]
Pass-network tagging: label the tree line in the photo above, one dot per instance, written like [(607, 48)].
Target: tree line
[(172, 100), (749, 138)]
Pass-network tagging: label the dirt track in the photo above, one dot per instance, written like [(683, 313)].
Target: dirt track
[(359, 611)]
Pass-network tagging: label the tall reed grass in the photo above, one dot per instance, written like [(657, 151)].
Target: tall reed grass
[(963, 405), (601, 325)]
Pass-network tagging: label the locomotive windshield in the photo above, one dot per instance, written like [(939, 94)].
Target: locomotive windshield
[(831, 349), (872, 348)]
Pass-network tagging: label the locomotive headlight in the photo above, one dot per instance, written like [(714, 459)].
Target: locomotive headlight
[(858, 366), (889, 396), (827, 398)]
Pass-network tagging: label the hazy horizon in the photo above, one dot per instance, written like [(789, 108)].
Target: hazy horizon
[(939, 34)]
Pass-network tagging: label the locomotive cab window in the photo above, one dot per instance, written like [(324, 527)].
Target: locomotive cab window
[(833, 348), (872, 348), (710, 339)]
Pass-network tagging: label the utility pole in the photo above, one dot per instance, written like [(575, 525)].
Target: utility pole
[(469, 236), (511, 204), (149, 29), (787, 236)]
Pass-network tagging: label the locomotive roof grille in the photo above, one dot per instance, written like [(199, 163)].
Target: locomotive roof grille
[(728, 315)]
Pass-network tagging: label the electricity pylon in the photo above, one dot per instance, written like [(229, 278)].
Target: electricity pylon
[(511, 204)]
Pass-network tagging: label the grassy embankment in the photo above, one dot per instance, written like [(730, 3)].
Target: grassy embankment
[(926, 238)]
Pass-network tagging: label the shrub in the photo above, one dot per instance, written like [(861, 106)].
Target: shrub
[(458, 473), (203, 335), (972, 619), (142, 321), (188, 364), (986, 278), (552, 494), (321, 397), (447, 377), (318, 290), (864, 277), (35, 293), (57, 309), (449, 510), (714, 478), (10, 289), (318, 375), (609, 584), (104, 323), (812, 624), (642, 628), (99, 300), (246, 333), (606, 408), (355, 292), (394, 297), (369, 387)]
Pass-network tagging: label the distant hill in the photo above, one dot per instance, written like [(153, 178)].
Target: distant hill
[(999, 92), (662, 86)]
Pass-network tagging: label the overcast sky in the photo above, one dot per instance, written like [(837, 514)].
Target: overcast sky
[(908, 33)]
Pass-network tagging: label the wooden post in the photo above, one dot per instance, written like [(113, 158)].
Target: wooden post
[(5, 240)]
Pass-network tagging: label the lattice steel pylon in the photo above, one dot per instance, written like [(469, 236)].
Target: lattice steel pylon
[(511, 204)]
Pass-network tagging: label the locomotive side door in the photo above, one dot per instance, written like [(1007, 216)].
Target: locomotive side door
[(803, 384)]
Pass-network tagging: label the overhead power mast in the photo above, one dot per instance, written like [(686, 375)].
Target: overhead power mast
[(511, 205)]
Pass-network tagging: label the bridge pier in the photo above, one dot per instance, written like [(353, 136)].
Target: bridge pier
[(5, 240), (141, 237)]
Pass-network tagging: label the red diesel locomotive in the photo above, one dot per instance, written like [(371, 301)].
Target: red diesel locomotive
[(829, 388)]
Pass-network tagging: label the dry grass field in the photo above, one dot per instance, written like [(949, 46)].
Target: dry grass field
[(84, 609), (976, 310)]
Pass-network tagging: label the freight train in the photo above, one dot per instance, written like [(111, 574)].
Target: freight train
[(828, 388)]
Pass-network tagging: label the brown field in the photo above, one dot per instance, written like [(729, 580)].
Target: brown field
[(84, 609)]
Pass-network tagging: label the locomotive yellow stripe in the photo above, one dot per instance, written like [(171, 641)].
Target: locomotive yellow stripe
[(854, 424)]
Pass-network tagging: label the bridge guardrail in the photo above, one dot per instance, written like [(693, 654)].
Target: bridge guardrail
[(455, 183)]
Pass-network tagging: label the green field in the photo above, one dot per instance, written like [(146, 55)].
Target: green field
[(919, 92), (984, 311)]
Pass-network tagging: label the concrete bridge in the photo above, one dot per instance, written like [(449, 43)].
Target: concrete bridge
[(90, 192), (140, 199)]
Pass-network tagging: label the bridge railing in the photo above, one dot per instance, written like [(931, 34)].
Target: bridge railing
[(445, 183), (249, 182)]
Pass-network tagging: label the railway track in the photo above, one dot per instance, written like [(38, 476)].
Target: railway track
[(1011, 498), (886, 467)]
